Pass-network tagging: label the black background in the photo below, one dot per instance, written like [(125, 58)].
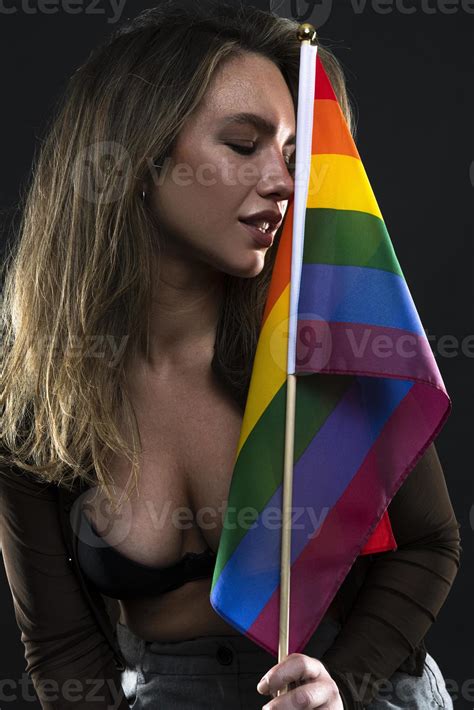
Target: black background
[(409, 72)]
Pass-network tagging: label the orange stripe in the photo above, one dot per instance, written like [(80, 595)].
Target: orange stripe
[(330, 135), (282, 267), (330, 131)]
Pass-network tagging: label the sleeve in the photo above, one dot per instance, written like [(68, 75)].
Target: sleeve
[(404, 589), (68, 658)]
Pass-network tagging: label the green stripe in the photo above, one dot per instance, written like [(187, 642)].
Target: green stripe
[(350, 238), (259, 468)]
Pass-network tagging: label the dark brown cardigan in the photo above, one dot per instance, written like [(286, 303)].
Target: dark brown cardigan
[(386, 604)]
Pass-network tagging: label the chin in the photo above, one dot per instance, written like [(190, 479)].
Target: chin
[(249, 270)]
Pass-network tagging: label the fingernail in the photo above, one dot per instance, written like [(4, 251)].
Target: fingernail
[(263, 686)]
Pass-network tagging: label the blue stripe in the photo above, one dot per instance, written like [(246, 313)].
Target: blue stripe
[(253, 572), (358, 294)]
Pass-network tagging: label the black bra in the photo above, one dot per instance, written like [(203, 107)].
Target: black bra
[(120, 577)]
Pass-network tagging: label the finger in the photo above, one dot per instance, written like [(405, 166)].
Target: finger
[(297, 667), (304, 697), (292, 685)]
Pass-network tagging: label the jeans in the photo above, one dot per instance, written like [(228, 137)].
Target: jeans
[(222, 672)]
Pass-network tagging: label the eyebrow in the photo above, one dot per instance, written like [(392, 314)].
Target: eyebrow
[(257, 121)]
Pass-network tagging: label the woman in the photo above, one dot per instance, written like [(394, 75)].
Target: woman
[(144, 285)]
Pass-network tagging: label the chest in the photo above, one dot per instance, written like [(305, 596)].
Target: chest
[(189, 435)]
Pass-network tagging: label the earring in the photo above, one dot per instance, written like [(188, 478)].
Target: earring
[(143, 192)]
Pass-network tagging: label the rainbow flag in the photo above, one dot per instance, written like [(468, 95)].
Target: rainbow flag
[(369, 399)]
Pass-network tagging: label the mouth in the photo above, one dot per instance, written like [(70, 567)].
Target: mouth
[(264, 238)]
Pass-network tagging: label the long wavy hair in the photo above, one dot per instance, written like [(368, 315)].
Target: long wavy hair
[(87, 249)]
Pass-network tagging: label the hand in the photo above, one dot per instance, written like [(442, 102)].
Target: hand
[(309, 685)]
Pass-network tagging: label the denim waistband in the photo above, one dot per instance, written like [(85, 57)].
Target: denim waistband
[(207, 654)]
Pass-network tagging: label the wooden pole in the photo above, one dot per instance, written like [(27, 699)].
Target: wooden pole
[(306, 33)]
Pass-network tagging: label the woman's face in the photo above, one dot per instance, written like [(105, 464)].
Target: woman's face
[(207, 185)]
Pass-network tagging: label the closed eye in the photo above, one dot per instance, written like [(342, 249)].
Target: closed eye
[(248, 150), (243, 150)]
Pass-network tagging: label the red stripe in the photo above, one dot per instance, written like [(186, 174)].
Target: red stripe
[(382, 539), (324, 89)]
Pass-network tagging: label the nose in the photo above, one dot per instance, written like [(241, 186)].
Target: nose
[(276, 179)]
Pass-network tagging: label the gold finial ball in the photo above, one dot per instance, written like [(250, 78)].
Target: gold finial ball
[(306, 32)]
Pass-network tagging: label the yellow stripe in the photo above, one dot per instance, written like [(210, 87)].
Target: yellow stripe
[(340, 182), (270, 365)]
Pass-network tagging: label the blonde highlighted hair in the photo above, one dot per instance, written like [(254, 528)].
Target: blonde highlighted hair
[(87, 251)]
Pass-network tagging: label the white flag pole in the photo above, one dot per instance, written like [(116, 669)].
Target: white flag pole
[(304, 131)]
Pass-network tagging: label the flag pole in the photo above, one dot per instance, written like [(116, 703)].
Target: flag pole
[(306, 34), (285, 562)]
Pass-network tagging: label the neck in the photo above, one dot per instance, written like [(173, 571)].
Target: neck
[(184, 315)]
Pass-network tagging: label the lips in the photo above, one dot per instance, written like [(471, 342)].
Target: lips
[(273, 218), (258, 225), (263, 239)]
